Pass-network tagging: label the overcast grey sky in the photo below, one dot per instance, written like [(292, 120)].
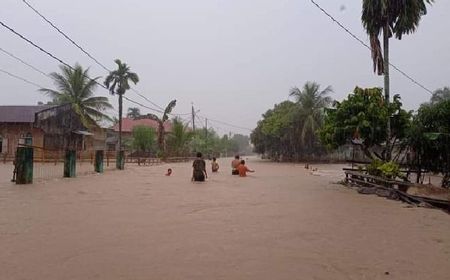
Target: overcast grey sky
[(233, 59)]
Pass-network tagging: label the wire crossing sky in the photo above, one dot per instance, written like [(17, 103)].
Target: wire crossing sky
[(233, 59)]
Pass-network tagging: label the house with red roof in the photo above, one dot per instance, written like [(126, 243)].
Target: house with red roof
[(127, 130)]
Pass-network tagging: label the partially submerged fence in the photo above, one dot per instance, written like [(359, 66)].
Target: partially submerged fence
[(50, 164)]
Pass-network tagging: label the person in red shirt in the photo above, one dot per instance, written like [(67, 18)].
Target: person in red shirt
[(243, 169)]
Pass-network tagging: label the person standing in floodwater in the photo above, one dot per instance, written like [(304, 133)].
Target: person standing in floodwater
[(243, 169), (199, 169), (214, 165), (234, 165)]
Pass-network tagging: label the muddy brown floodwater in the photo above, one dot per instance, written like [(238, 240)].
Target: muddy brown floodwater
[(279, 223)]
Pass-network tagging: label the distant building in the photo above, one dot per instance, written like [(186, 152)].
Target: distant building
[(47, 128), (127, 130)]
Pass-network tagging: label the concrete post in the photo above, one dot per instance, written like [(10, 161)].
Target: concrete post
[(70, 161), (99, 161), (24, 165)]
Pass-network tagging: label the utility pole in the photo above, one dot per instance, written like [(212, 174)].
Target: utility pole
[(193, 118)]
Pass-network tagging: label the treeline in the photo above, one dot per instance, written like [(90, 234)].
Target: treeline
[(289, 130), (181, 141), (312, 126)]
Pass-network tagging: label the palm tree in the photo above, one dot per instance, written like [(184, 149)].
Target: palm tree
[(118, 83), (73, 86), (390, 17), (161, 121), (311, 101), (133, 112), (179, 137)]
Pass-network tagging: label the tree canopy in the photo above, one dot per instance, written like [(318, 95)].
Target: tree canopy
[(429, 139), (362, 118), (74, 86), (144, 139), (289, 130)]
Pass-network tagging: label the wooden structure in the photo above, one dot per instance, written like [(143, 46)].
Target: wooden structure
[(393, 189)]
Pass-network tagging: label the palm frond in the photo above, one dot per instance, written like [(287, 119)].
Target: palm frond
[(168, 110)]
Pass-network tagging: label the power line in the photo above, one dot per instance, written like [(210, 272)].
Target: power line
[(229, 124), (151, 102), (34, 45), (367, 46), (85, 52), (20, 78), (69, 66), (62, 62), (23, 62), (66, 36), (27, 81), (140, 104)]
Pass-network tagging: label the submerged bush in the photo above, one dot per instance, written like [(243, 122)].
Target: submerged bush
[(388, 170)]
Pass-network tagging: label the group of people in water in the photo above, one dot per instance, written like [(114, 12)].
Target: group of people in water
[(199, 173)]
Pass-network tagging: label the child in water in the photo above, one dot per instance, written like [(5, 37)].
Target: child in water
[(214, 165)]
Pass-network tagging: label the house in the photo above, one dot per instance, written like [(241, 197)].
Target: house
[(17, 127), (127, 130), (46, 128)]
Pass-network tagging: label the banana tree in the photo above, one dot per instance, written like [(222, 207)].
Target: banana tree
[(161, 121)]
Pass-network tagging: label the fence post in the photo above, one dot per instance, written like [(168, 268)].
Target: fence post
[(120, 160), (70, 164), (99, 161), (24, 165)]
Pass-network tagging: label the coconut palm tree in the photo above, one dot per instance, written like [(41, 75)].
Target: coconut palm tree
[(118, 83), (74, 86), (312, 101), (161, 121), (389, 17), (133, 112)]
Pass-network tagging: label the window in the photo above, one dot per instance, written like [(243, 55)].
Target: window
[(26, 139), (3, 145)]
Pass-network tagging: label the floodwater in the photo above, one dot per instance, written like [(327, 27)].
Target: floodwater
[(281, 222)]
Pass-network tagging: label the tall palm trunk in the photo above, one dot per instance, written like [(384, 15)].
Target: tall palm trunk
[(387, 88), (120, 122)]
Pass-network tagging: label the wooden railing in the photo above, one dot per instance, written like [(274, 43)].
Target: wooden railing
[(390, 188)]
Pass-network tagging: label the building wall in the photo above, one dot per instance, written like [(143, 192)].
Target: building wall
[(15, 133)]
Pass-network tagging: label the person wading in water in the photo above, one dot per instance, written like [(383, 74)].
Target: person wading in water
[(199, 169), (234, 164)]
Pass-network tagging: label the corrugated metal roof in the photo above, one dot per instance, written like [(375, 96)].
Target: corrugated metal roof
[(20, 114)]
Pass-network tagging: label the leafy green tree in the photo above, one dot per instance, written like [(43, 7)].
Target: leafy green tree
[(144, 138), (74, 86), (275, 135), (429, 139), (161, 121), (118, 82), (440, 95), (362, 118), (312, 102), (133, 112), (178, 139)]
